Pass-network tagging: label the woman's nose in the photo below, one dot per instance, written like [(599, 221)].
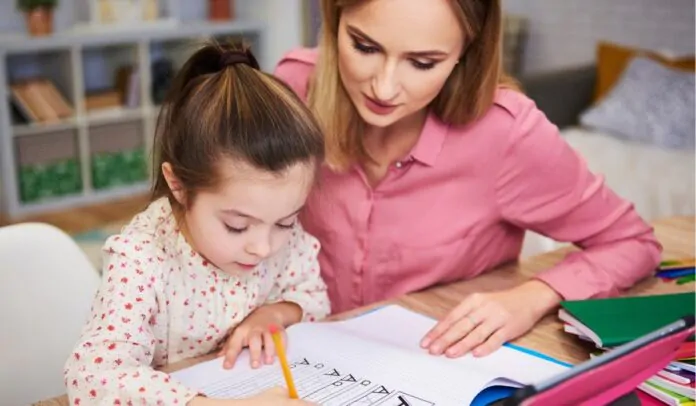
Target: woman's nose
[(385, 84)]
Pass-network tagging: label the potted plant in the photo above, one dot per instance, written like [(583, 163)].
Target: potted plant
[(39, 15), (221, 10)]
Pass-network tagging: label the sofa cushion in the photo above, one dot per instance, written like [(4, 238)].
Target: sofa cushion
[(612, 60), (651, 103)]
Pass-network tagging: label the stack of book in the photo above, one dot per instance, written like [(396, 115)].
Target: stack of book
[(38, 100), (608, 323)]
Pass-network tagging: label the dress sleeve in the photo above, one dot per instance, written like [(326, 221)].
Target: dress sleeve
[(545, 186), (111, 363), (300, 281)]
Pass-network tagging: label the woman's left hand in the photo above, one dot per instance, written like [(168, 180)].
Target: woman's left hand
[(483, 322)]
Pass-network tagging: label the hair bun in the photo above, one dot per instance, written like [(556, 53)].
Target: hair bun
[(235, 56)]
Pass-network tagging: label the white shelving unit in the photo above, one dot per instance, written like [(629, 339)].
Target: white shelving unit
[(62, 58)]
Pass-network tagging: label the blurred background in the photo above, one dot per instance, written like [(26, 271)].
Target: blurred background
[(82, 81)]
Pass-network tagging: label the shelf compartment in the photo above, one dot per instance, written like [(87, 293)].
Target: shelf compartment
[(167, 58), (111, 77), (117, 154), (42, 128), (113, 115), (48, 166), (41, 87)]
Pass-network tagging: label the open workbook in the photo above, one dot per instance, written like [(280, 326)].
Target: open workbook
[(373, 359)]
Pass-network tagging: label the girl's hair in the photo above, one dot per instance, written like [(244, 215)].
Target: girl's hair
[(221, 105), (467, 94)]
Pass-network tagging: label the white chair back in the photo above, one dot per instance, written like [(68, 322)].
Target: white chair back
[(46, 289)]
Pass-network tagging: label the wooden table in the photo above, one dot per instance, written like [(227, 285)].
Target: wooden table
[(676, 234)]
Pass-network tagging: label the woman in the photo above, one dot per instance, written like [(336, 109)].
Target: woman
[(437, 165)]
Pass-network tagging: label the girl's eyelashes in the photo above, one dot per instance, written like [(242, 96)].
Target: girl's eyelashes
[(286, 226), (235, 230)]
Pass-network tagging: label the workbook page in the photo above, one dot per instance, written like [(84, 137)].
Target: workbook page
[(399, 327), (370, 360)]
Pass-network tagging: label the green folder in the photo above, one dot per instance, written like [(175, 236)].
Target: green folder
[(614, 321)]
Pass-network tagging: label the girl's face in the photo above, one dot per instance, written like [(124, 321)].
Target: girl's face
[(394, 56), (249, 217)]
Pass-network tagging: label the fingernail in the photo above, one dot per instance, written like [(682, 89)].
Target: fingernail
[(226, 365), (435, 350), (255, 364), (425, 342)]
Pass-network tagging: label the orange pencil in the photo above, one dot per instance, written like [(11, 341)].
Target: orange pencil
[(280, 351)]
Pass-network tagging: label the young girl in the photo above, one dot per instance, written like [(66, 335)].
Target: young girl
[(218, 255)]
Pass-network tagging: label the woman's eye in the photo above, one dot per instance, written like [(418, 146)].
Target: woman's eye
[(364, 48), (235, 230), (422, 65)]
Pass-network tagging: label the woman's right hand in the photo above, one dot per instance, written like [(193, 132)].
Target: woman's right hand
[(271, 397)]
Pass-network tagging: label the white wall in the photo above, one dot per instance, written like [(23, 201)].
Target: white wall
[(564, 33), (285, 30)]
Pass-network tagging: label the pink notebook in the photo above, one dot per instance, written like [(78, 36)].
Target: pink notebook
[(604, 379)]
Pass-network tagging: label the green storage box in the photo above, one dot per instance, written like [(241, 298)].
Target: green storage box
[(48, 166)]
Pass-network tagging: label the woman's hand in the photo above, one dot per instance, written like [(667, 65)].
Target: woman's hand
[(484, 321), (271, 397), (253, 333)]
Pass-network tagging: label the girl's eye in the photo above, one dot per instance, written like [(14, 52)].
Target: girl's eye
[(422, 65), (235, 230), (286, 226), (364, 48)]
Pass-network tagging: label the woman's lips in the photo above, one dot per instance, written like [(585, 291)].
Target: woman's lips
[(377, 107)]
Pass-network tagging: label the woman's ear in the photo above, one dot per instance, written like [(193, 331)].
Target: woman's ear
[(174, 184)]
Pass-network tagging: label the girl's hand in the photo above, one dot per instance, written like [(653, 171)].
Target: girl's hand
[(275, 397), (484, 321), (253, 333), (271, 397)]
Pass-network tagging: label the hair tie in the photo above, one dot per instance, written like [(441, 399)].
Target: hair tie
[(233, 57)]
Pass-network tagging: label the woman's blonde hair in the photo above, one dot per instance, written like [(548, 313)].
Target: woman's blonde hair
[(466, 95)]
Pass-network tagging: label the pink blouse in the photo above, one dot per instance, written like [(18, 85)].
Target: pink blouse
[(459, 203)]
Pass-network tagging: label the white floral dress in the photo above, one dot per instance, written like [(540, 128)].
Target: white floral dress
[(160, 302)]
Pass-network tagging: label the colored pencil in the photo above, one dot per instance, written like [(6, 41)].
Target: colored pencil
[(280, 351), (676, 273), (678, 262), (686, 279)]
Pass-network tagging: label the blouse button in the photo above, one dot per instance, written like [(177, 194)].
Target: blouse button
[(398, 164)]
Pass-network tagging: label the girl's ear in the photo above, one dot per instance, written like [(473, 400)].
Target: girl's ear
[(173, 183)]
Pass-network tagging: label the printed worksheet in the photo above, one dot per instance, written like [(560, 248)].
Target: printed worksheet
[(315, 381), (371, 360)]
